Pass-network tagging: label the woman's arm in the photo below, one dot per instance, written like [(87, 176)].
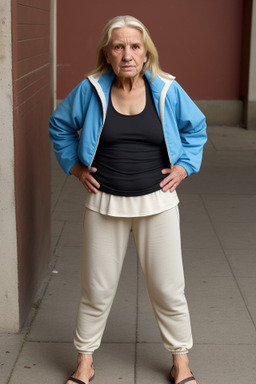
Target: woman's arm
[(65, 123), (192, 129)]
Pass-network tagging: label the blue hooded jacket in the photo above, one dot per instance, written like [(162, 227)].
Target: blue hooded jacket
[(76, 125)]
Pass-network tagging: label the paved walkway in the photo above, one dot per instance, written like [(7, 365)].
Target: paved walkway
[(218, 216)]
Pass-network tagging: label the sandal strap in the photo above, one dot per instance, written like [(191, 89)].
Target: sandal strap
[(75, 380), (182, 381), (71, 378), (187, 380)]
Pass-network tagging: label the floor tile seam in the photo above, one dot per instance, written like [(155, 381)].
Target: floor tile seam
[(29, 341), (207, 276), (230, 221), (228, 262), (227, 344), (235, 248), (210, 141), (233, 221), (225, 276), (219, 194), (202, 343), (246, 277), (58, 196), (251, 248), (188, 248), (28, 327), (64, 223), (200, 248), (227, 165), (239, 195), (40, 298), (227, 150), (15, 362), (138, 343), (68, 246)]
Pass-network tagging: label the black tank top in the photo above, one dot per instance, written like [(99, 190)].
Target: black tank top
[(131, 151)]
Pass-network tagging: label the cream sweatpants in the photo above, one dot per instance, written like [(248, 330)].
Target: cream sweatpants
[(157, 240)]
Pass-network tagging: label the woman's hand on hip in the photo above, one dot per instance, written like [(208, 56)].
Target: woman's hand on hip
[(174, 178), (85, 176)]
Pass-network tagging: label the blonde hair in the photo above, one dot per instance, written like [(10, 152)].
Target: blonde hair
[(152, 63)]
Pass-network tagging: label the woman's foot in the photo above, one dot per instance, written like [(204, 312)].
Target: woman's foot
[(84, 370), (180, 370)]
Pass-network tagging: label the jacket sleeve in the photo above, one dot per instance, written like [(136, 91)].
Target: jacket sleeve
[(192, 130), (65, 123)]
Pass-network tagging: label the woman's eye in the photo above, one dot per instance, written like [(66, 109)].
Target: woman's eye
[(135, 46)]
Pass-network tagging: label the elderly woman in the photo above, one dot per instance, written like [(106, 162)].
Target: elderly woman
[(141, 135)]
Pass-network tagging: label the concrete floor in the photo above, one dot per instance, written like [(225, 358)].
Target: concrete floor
[(218, 223)]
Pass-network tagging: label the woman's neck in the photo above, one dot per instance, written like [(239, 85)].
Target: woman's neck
[(128, 84)]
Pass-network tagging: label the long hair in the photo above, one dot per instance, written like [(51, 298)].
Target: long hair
[(152, 63)]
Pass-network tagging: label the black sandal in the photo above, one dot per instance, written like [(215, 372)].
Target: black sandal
[(182, 381), (71, 378)]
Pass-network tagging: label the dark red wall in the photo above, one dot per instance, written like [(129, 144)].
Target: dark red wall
[(31, 91), (198, 41)]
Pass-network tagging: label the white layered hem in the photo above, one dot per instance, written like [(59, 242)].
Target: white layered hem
[(131, 206)]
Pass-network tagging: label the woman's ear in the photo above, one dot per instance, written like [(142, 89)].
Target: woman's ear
[(145, 59)]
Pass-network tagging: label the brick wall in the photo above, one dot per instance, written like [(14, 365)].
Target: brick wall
[(31, 94)]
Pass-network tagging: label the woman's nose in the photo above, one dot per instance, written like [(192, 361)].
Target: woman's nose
[(127, 54)]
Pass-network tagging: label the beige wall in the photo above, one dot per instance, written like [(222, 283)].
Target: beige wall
[(9, 309)]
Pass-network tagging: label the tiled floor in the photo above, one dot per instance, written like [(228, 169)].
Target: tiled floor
[(218, 218)]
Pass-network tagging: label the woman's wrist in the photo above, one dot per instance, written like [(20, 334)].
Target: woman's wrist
[(182, 170), (77, 169)]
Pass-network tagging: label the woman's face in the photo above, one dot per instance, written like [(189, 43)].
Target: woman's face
[(126, 52)]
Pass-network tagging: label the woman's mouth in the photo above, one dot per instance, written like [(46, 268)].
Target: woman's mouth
[(127, 67)]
